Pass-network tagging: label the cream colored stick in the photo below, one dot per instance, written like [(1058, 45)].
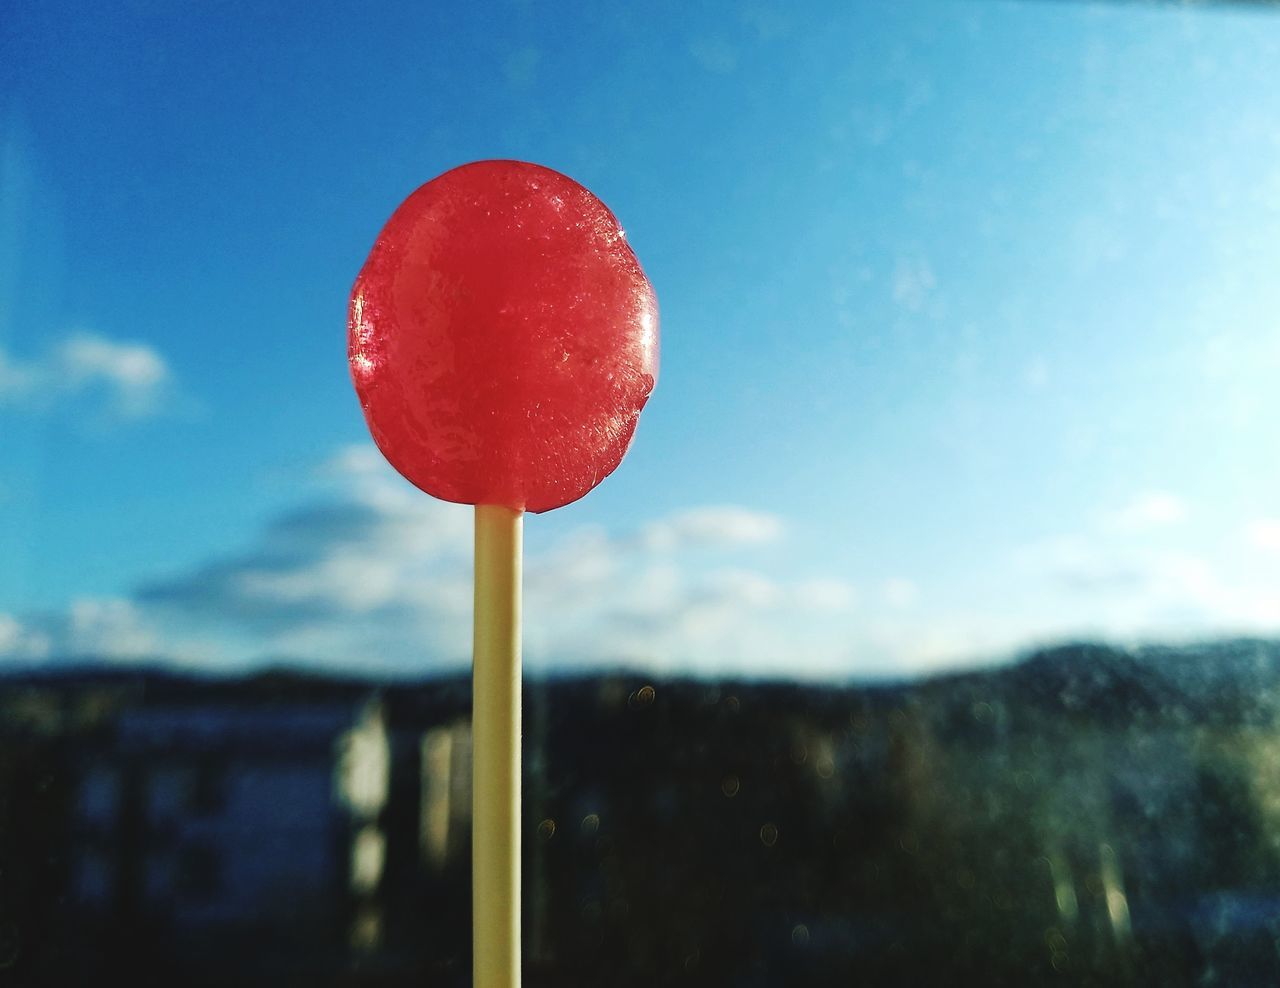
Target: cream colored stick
[(495, 729)]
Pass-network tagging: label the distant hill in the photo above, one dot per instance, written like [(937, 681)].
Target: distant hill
[(1235, 680)]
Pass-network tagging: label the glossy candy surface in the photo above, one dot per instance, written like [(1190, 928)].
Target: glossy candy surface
[(503, 338)]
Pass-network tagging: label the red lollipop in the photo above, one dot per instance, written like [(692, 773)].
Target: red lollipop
[(503, 341), (503, 338)]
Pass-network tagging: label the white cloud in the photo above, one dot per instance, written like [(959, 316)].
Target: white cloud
[(649, 601), (109, 628), (900, 592), (1077, 564), (378, 575), (134, 373), (744, 587), (374, 576), (1147, 511), (21, 643), (1264, 533), (88, 628), (118, 379), (1109, 583), (1076, 585), (825, 594), (720, 526)]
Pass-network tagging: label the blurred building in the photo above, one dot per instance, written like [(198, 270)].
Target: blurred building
[(263, 827), (214, 815)]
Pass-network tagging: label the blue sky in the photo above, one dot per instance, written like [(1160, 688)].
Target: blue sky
[(968, 310)]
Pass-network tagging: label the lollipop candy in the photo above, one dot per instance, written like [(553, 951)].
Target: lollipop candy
[(503, 338), (503, 341)]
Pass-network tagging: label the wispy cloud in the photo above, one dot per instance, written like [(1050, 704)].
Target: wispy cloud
[(109, 628), (19, 641), (825, 594), (900, 592), (1264, 533), (1077, 564), (1142, 571), (375, 575), (118, 380), (1147, 511), (725, 525), (1082, 585), (88, 627), (371, 575)]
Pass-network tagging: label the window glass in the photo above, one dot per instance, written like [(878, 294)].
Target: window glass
[(929, 633)]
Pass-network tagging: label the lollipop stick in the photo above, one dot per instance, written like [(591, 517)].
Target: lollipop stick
[(495, 726)]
